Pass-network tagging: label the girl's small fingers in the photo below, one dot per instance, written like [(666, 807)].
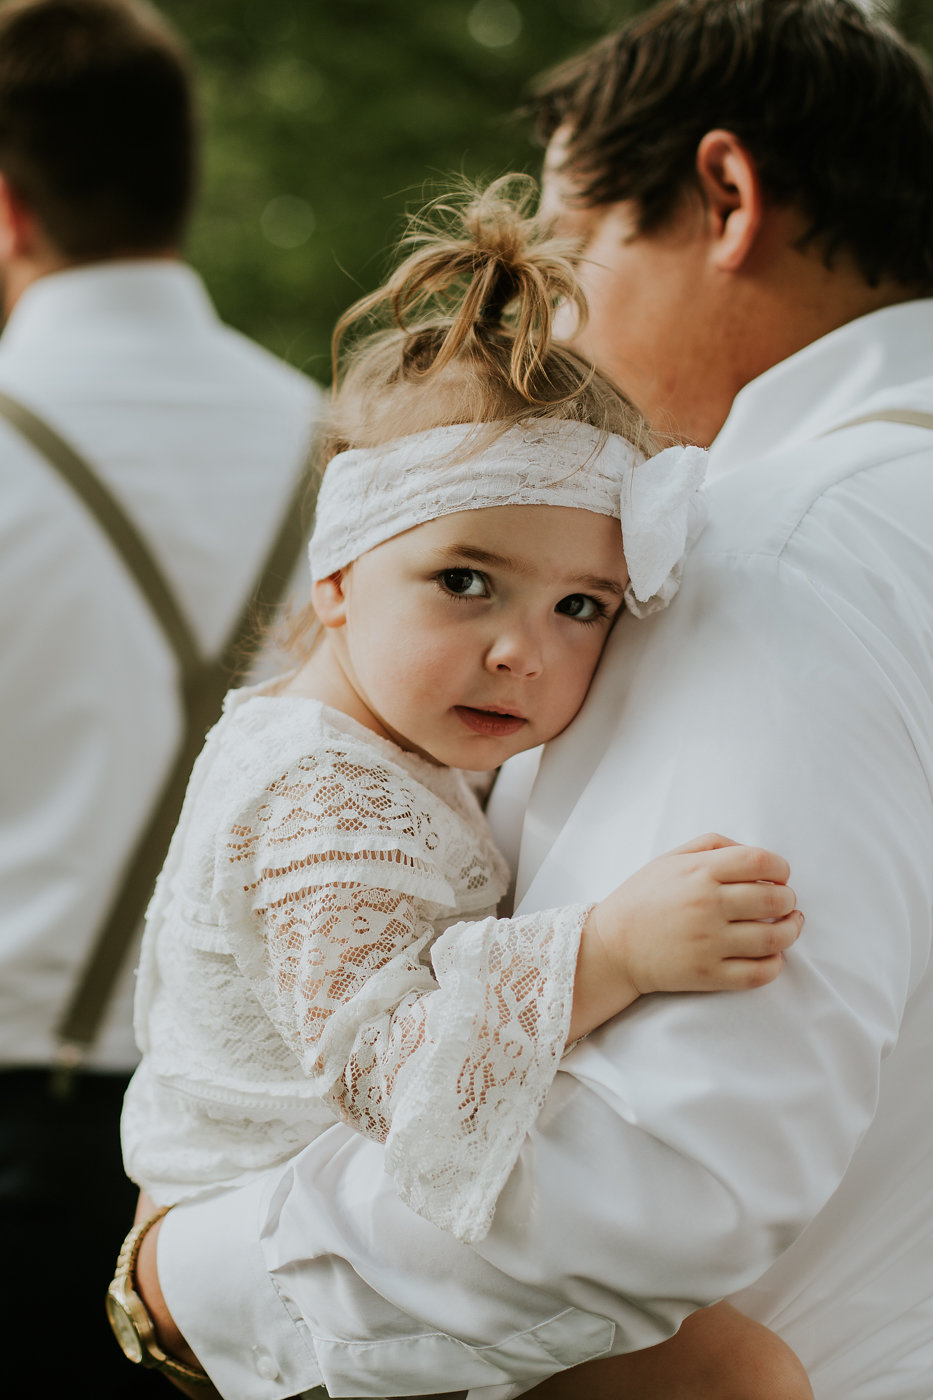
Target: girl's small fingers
[(711, 841), (762, 900), (763, 940), (743, 974), (741, 864)]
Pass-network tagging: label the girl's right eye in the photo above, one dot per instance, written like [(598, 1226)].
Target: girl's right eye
[(464, 583)]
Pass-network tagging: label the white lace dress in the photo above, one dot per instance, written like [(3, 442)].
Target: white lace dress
[(304, 962)]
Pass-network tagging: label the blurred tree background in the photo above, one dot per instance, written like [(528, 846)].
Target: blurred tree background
[(325, 121)]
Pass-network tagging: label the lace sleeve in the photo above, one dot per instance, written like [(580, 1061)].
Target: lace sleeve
[(442, 1048), (448, 1066), (493, 1036)]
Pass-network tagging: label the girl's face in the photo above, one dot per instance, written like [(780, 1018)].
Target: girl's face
[(472, 637)]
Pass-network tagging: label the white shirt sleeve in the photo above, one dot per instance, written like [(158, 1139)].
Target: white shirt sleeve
[(688, 1143)]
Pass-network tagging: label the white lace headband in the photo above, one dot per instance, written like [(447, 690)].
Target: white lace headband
[(371, 495)]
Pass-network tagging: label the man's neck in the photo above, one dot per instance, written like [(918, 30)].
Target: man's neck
[(773, 325), (21, 273)]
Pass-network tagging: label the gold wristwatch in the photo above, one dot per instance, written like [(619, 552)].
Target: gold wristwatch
[(129, 1319)]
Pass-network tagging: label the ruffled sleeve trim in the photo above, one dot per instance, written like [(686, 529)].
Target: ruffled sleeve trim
[(494, 1037)]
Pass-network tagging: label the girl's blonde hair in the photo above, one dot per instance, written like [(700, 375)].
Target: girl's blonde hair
[(469, 338), (462, 332)]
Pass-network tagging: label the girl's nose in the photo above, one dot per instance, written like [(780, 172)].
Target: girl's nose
[(517, 651)]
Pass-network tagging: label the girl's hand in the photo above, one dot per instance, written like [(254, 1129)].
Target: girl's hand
[(709, 916)]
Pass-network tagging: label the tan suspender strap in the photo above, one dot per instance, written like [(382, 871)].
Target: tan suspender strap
[(203, 682), (912, 418), (276, 572), (124, 536)]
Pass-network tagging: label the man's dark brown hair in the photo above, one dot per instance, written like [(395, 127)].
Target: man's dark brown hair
[(833, 105), (97, 124)]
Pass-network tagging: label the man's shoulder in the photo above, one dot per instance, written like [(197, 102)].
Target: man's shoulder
[(875, 474), (269, 373), (145, 332)]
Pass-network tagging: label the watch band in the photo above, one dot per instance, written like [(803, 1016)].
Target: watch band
[(129, 1249), (122, 1296)]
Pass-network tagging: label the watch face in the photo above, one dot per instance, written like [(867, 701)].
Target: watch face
[(124, 1329)]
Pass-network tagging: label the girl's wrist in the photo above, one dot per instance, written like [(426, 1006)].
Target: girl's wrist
[(602, 987)]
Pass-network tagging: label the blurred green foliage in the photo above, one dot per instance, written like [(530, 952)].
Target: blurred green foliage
[(325, 121)]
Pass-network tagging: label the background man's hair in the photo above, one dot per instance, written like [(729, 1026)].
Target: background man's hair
[(833, 105), (97, 127)]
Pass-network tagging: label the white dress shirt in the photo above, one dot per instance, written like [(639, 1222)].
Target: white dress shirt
[(775, 1146), (200, 434)]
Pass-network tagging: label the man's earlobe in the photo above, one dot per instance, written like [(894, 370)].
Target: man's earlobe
[(732, 193), (17, 224), (329, 599), (8, 233)]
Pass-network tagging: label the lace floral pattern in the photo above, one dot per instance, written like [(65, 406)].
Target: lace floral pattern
[(323, 945)]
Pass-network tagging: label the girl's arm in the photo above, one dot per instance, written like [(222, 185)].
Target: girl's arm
[(449, 1061), (442, 1050)]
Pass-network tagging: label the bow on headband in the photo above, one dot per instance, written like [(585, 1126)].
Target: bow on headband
[(663, 511)]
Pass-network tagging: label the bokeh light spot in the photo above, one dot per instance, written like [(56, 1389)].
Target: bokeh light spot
[(495, 23), (287, 221)]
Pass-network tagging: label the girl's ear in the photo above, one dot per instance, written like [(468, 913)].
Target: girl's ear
[(328, 596)]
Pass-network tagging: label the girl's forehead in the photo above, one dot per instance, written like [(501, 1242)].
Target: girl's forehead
[(525, 538)]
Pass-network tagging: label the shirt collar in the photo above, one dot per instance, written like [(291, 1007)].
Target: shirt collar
[(164, 292), (884, 359)]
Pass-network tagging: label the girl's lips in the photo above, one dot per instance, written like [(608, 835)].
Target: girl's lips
[(489, 721)]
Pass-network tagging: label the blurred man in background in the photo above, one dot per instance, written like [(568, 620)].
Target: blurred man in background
[(200, 436)]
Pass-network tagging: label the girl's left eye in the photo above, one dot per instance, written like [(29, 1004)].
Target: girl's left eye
[(582, 607), (464, 583)]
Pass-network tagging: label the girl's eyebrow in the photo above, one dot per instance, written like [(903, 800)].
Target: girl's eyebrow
[(471, 554)]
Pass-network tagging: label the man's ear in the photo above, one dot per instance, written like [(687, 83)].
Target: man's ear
[(732, 192), (329, 598), (19, 232)]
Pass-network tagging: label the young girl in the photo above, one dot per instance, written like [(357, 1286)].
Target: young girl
[(323, 941)]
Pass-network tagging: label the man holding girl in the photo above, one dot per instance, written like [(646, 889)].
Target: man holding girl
[(749, 188)]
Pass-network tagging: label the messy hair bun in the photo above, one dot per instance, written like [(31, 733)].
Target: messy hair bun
[(468, 316)]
